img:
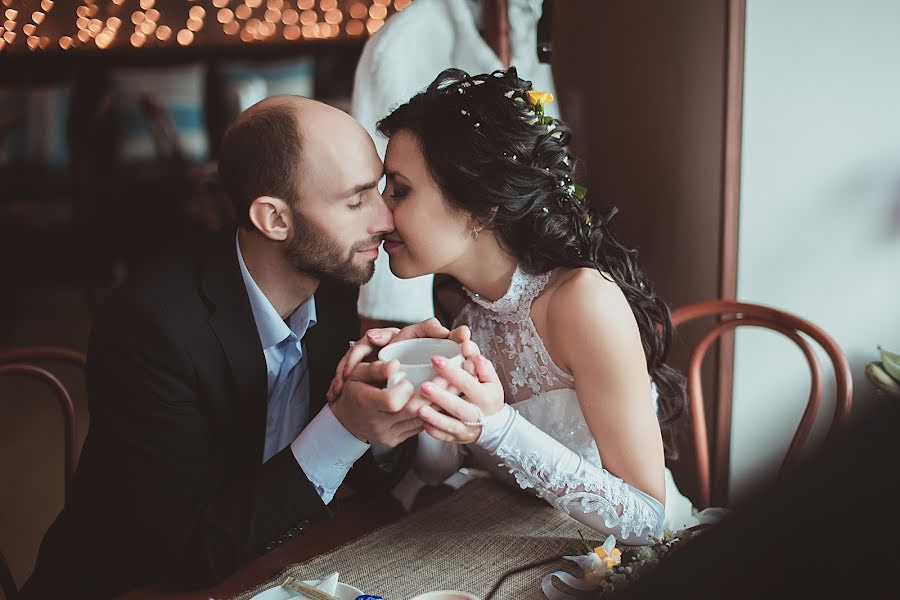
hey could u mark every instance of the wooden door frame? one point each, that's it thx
(731, 190)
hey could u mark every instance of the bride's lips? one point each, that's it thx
(391, 245)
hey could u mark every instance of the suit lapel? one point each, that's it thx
(336, 325)
(231, 319)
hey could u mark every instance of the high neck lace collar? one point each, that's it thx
(523, 289)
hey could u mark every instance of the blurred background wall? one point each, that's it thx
(820, 206)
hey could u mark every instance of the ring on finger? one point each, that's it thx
(479, 422)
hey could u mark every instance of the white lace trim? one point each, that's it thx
(602, 495)
(516, 302)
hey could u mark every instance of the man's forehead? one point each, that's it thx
(350, 180)
(343, 167)
(362, 184)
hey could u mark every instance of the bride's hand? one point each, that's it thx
(478, 381)
(378, 338)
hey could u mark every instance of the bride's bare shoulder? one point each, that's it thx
(583, 285)
(585, 295)
(582, 312)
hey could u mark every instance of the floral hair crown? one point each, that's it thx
(536, 100)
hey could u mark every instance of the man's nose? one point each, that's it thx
(383, 219)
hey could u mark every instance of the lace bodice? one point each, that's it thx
(508, 338)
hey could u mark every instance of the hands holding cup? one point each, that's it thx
(414, 358)
(421, 364)
(449, 417)
(374, 413)
(373, 401)
(379, 338)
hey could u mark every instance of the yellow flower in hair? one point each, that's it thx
(535, 97)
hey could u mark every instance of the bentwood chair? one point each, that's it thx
(24, 362)
(729, 315)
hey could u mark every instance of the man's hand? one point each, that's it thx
(378, 338)
(374, 414)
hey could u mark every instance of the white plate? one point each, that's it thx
(343, 592)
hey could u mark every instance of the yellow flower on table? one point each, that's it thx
(597, 563)
(609, 553)
(535, 97)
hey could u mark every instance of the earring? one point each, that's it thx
(474, 234)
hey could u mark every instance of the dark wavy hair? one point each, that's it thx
(495, 158)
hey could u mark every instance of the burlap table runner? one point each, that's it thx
(466, 542)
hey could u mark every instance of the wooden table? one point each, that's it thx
(484, 537)
(358, 516)
(481, 537)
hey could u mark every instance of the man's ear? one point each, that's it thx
(272, 217)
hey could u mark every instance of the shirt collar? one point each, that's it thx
(272, 328)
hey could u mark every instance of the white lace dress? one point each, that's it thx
(540, 441)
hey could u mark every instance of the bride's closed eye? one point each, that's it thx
(399, 192)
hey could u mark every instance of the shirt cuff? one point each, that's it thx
(382, 454)
(325, 451)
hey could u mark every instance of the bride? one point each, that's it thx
(564, 390)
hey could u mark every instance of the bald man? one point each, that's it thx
(210, 439)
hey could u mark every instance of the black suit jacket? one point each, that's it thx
(170, 484)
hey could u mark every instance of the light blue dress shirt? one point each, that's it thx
(324, 449)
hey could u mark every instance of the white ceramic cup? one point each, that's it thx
(446, 595)
(415, 358)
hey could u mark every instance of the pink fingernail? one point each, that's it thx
(439, 362)
(375, 335)
(427, 389)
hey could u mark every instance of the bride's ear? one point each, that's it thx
(272, 217)
(476, 223)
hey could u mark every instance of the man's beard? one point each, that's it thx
(311, 251)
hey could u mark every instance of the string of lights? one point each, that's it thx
(62, 25)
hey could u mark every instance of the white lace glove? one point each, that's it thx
(591, 495)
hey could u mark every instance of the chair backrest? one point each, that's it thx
(731, 314)
(18, 361)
